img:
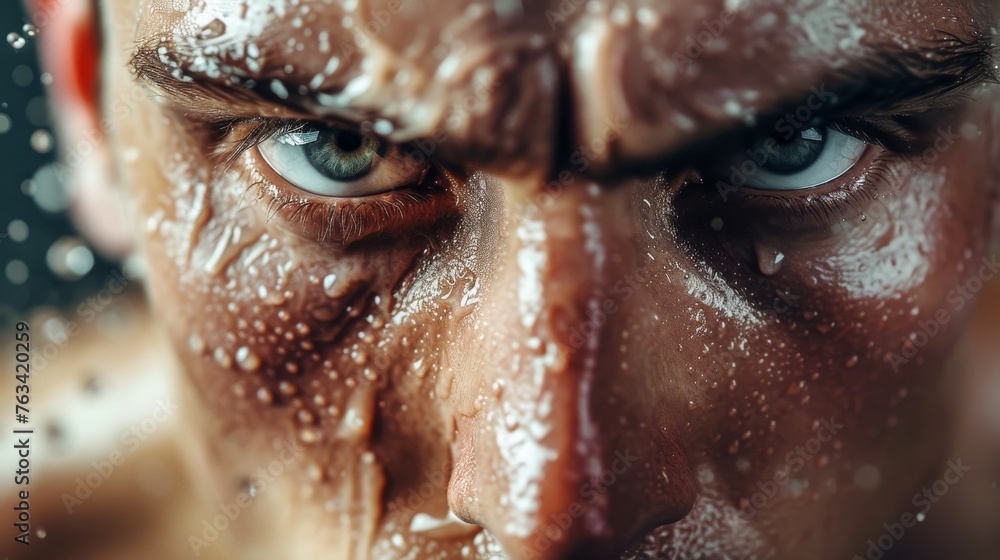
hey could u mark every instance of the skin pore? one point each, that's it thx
(567, 325)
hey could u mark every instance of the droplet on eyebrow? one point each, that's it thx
(212, 29)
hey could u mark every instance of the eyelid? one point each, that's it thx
(407, 210)
(345, 221)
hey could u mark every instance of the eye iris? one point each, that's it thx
(794, 155)
(342, 154)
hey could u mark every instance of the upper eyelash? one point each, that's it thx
(260, 130)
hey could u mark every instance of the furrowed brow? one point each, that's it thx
(888, 84)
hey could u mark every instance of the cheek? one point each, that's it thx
(286, 337)
(278, 332)
(850, 327)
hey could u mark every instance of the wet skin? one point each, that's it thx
(570, 327)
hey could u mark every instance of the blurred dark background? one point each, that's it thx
(43, 261)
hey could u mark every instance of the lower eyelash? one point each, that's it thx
(797, 212)
(347, 221)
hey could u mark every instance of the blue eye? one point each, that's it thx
(338, 161)
(812, 157)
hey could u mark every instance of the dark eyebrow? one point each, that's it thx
(217, 97)
(936, 73)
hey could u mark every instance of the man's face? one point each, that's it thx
(652, 279)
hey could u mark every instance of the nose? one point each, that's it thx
(566, 444)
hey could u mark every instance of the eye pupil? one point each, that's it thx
(792, 155)
(348, 140)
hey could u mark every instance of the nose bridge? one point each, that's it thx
(537, 460)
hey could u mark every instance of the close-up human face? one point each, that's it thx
(553, 280)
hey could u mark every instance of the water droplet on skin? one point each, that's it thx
(41, 532)
(222, 358)
(287, 389)
(851, 362)
(328, 283)
(734, 447)
(717, 224)
(30, 30)
(308, 436)
(769, 259)
(692, 406)
(305, 416)
(360, 358)
(214, 29)
(196, 344)
(315, 472)
(15, 40)
(292, 367)
(265, 395)
(418, 368)
(247, 360)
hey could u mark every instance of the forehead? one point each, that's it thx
(503, 79)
